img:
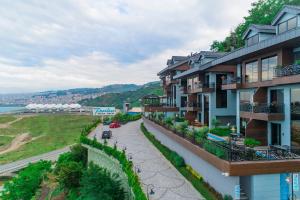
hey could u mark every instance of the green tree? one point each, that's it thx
(26, 183)
(261, 12)
(99, 183)
(69, 174)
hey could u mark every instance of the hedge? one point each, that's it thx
(127, 166)
(207, 191)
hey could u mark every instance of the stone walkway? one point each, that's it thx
(156, 172)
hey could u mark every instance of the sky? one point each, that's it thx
(50, 45)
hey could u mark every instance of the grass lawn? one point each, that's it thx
(6, 118)
(55, 131)
(4, 140)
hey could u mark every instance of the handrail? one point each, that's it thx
(232, 152)
(288, 70)
(262, 107)
(231, 80)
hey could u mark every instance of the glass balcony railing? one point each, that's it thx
(231, 80)
(293, 69)
(262, 107)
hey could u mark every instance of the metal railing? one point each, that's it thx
(262, 107)
(288, 70)
(231, 80)
(232, 152)
(194, 105)
(160, 105)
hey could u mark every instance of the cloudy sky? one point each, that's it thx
(57, 44)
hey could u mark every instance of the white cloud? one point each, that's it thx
(90, 43)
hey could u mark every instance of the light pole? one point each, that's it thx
(150, 190)
(137, 169)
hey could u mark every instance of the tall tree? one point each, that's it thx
(261, 12)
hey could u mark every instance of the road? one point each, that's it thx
(156, 172)
(17, 165)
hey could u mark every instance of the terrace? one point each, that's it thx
(231, 83)
(193, 106)
(262, 111)
(287, 74)
(232, 157)
(155, 103)
(201, 88)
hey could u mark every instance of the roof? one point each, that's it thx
(260, 29)
(268, 43)
(286, 9)
(180, 60)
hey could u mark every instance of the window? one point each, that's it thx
(252, 72)
(287, 25)
(245, 97)
(292, 23)
(253, 40)
(221, 95)
(282, 27)
(267, 66)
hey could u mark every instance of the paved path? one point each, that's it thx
(168, 183)
(17, 165)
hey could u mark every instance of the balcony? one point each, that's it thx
(193, 107)
(231, 83)
(262, 111)
(234, 159)
(183, 89)
(173, 81)
(160, 108)
(287, 75)
(201, 88)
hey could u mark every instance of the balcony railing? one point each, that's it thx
(201, 87)
(160, 105)
(232, 152)
(205, 85)
(289, 70)
(262, 108)
(231, 80)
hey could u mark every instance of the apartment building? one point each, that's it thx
(256, 88)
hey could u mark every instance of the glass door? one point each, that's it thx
(206, 110)
(275, 134)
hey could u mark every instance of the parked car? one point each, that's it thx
(106, 134)
(115, 125)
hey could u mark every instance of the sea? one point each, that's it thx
(10, 109)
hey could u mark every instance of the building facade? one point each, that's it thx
(257, 89)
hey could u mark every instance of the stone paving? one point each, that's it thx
(156, 172)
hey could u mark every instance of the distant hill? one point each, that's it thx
(115, 88)
(117, 99)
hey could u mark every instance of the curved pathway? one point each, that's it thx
(155, 171)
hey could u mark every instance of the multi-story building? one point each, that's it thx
(256, 88)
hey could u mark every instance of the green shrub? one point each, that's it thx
(133, 180)
(216, 150)
(227, 197)
(99, 183)
(177, 160)
(203, 187)
(169, 121)
(221, 131)
(125, 117)
(201, 134)
(251, 142)
(215, 123)
(69, 174)
(179, 119)
(26, 183)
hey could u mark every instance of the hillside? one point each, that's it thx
(117, 99)
(85, 91)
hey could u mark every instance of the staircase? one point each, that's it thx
(243, 195)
